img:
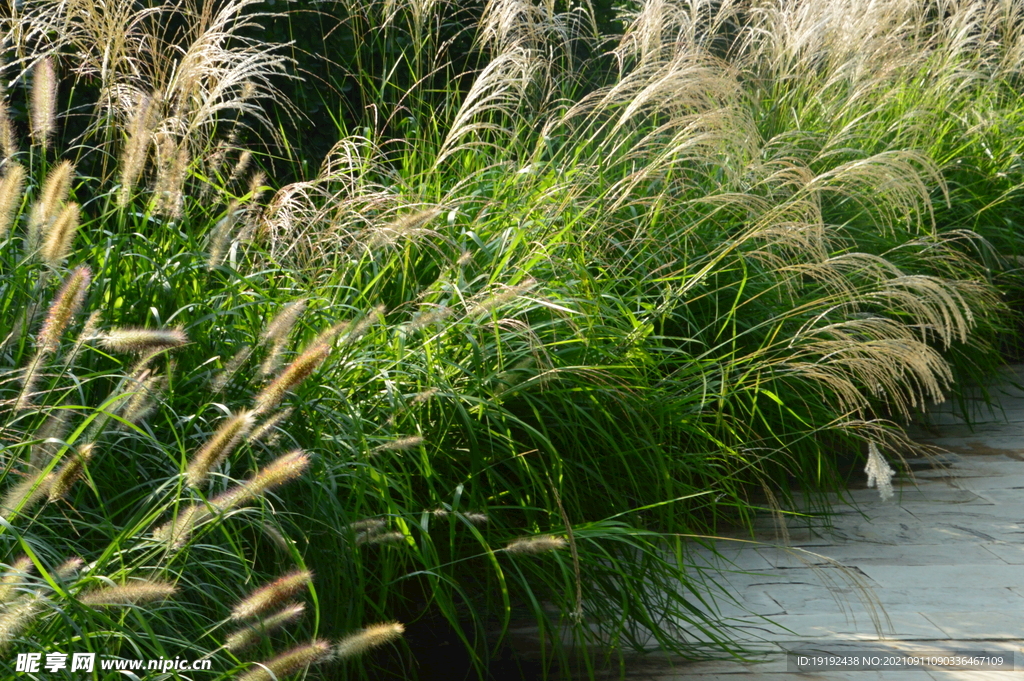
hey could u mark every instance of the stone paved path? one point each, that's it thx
(939, 567)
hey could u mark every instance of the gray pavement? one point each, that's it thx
(938, 568)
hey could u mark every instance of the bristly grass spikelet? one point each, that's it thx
(399, 445)
(267, 428)
(8, 135)
(59, 234)
(70, 472)
(44, 102)
(288, 662)
(18, 615)
(370, 637)
(49, 203)
(541, 544)
(247, 636)
(25, 494)
(218, 447)
(271, 595)
(133, 593)
(11, 188)
(140, 340)
(64, 307)
(296, 372)
(14, 577)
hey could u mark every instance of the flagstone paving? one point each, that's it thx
(940, 567)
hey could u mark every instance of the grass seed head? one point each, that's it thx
(51, 200)
(296, 372)
(288, 662)
(17, 617)
(59, 235)
(536, 544)
(218, 447)
(247, 636)
(67, 303)
(10, 195)
(70, 472)
(140, 340)
(14, 577)
(272, 594)
(44, 102)
(25, 494)
(8, 136)
(136, 149)
(133, 593)
(370, 637)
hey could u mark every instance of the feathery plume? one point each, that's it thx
(69, 473)
(277, 472)
(139, 340)
(10, 195)
(24, 495)
(241, 166)
(67, 303)
(395, 537)
(59, 235)
(51, 199)
(536, 544)
(145, 396)
(219, 446)
(69, 568)
(177, 531)
(247, 636)
(220, 236)
(281, 325)
(400, 445)
(8, 138)
(272, 594)
(370, 637)
(284, 468)
(268, 426)
(44, 102)
(288, 662)
(18, 615)
(132, 593)
(296, 372)
(14, 577)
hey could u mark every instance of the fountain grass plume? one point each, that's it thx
(43, 117)
(271, 595)
(219, 446)
(11, 188)
(370, 637)
(140, 340)
(58, 235)
(132, 593)
(49, 203)
(288, 662)
(247, 636)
